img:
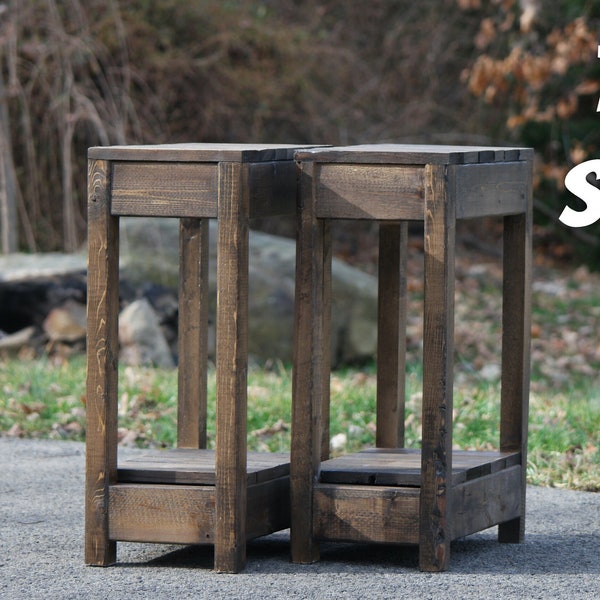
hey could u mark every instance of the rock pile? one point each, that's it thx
(42, 298)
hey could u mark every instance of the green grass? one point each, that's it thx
(43, 399)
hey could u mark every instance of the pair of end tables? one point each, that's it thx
(388, 494)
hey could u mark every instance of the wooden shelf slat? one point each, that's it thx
(187, 466)
(402, 467)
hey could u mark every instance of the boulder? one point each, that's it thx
(150, 252)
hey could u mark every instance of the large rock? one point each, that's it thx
(150, 252)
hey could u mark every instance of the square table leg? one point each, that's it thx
(309, 378)
(391, 335)
(232, 368)
(326, 265)
(516, 332)
(102, 360)
(192, 333)
(438, 348)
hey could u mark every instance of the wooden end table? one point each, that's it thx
(391, 494)
(189, 495)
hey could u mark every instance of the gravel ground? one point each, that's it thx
(41, 550)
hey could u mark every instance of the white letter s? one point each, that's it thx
(576, 183)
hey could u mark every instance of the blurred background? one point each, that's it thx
(78, 73)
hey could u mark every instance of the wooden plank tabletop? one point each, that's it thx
(197, 152)
(413, 154)
(402, 467)
(196, 467)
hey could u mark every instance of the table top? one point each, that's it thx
(197, 152)
(414, 154)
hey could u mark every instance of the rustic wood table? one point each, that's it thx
(188, 495)
(391, 494)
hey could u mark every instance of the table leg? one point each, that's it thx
(232, 367)
(438, 348)
(325, 227)
(308, 372)
(516, 331)
(192, 333)
(102, 362)
(391, 335)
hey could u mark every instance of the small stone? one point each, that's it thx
(490, 372)
(66, 323)
(16, 431)
(338, 442)
(142, 340)
(355, 430)
(15, 341)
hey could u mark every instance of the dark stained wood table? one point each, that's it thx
(390, 494)
(191, 494)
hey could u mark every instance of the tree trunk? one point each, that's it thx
(8, 189)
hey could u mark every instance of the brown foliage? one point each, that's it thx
(149, 71)
(524, 75)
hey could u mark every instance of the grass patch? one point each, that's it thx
(44, 399)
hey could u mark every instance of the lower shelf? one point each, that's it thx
(374, 496)
(197, 467)
(170, 497)
(402, 466)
